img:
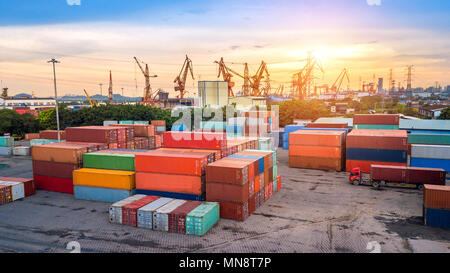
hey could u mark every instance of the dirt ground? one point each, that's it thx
(316, 211)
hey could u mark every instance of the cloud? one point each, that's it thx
(234, 47)
(373, 2)
(73, 2)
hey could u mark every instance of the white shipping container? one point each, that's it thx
(161, 215)
(17, 189)
(110, 122)
(115, 210)
(6, 150)
(424, 124)
(145, 214)
(21, 150)
(430, 151)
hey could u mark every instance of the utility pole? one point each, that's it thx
(122, 96)
(101, 89)
(409, 78)
(391, 81)
(53, 61)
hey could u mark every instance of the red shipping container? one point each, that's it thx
(158, 143)
(378, 139)
(177, 218)
(251, 205)
(97, 134)
(278, 183)
(234, 211)
(365, 165)
(54, 184)
(228, 171)
(158, 123)
(266, 193)
(54, 169)
(30, 187)
(227, 192)
(436, 197)
(5, 194)
(52, 134)
(171, 162)
(257, 200)
(418, 175)
(377, 119)
(129, 212)
(199, 140)
(388, 173)
(270, 189)
(327, 125)
(253, 167)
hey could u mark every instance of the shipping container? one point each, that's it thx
(17, 189)
(228, 171)
(174, 195)
(234, 211)
(436, 197)
(21, 151)
(129, 211)
(202, 218)
(55, 184)
(54, 169)
(200, 140)
(256, 161)
(419, 175)
(430, 151)
(32, 136)
(437, 218)
(425, 124)
(123, 180)
(115, 210)
(110, 122)
(6, 151)
(5, 195)
(107, 195)
(376, 126)
(98, 134)
(412, 175)
(269, 156)
(145, 213)
(29, 185)
(158, 123)
(110, 161)
(435, 139)
(211, 154)
(171, 162)
(52, 134)
(378, 139)
(327, 125)
(229, 192)
(396, 156)
(391, 119)
(431, 163)
(177, 217)
(316, 151)
(292, 128)
(365, 165)
(6, 141)
(170, 183)
(57, 152)
(278, 183)
(317, 138)
(161, 215)
(318, 163)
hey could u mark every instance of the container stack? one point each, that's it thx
(196, 140)
(105, 177)
(174, 174)
(32, 136)
(377, 147)
(436, 206)
(52, 134)
(12, 189)
(54, 163)
(328, 125)
(315, 149)
(39, 141)
(165, 214)
(376, 122)
(287, 130)
(6, 145)
(21, 151)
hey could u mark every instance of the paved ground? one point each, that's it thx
(316, 211)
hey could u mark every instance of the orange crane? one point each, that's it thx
(301, 80)
(338, 83)
(226, 75)
(256, 81)
(180, 80)
(148, 97)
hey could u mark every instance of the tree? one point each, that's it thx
(17, 124)
(445, 114)
(301, 109)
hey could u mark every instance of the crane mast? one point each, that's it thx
(180, 80)
(147, 98)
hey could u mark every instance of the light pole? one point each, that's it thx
(53, 61)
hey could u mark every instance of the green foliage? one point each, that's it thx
(445, 114)
(301, 109)
(17, 124)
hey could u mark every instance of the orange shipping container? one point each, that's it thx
(320, 163)
(315, 151)
(436, 197)
(228, 171)
(57, 152)
(171, 163)
(317, 138)
(170, 183)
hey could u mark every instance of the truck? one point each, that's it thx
(381, 175)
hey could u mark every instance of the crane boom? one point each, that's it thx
(92, 103)
(180, 80)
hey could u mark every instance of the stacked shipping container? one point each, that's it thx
(378, 147)
(436, 206)
(12, 189)
(6, 145)
(376, 121)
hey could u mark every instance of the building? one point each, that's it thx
(29, 102)
(432, 111)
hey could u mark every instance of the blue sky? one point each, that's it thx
(100, 35)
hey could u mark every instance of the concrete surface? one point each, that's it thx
(316, 211)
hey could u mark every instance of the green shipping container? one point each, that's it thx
(126, 122)
(203, 218)
(377, 126)
(429, 139)
(139, 122)
(6, 141)
(109, 161)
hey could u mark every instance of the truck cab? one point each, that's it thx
(355, 176)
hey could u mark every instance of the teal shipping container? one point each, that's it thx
(6, 141)
(126, 122)
(425, 124)
(434, 139)
(377, 126)
(101, 194)
(275, 172)
(202, 218)
(141, 122)
(275, 186)
(35, 142)
(109, 161)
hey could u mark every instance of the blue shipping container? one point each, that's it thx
(293, 128)
(176, 195)
(377, 155)
(101, 194)
(431, 132)
(436, 217)
(261, 160)
(431, 163)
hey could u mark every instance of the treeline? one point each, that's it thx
(17, 124)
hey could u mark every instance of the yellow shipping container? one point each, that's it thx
(112, 179)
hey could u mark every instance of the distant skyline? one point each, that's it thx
(97, 36)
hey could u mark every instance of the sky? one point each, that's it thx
(92, 37)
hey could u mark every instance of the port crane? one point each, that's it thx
(93, 103)
(148, 97)
(255, 82)
(180, 80)
(225, 71)
(338, 83)
(301, 80)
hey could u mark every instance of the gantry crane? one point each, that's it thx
(180, 80)
(91, 102)
(301, 80)
(147, 98)
(337, 84)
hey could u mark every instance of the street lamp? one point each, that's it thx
(53, 61)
